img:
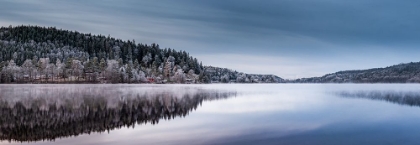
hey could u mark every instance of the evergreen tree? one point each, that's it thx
(61, 54)
(102, 65)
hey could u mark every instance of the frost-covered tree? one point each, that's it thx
(42, 68)
(77, 68)
(179, 76)
(112, 71)
(29, 69)
(51, 71)
(124, 77)
(102, 66)
(136, 64)
(147, 59)
(129, 72)
(240, 78)
(32, 42)
(12, 72)
(60, 68)
(225, 78)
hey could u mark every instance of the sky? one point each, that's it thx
(288, 38)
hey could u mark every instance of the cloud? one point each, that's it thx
(300, 31)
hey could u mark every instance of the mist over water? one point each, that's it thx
(210, 114)
(402, 98)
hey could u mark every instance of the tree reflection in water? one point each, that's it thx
(33, 113)
(402, 98)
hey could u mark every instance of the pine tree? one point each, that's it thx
(68, 72)
(129, 72)
(136, 65)
(102, 66)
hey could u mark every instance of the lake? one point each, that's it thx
(216, 114)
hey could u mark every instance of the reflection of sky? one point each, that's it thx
(282, 114)
(290, 38)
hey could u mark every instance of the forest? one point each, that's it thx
(34, 54)
(401, 73)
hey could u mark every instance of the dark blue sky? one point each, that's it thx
(289, 38)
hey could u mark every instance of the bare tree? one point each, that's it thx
(77, 68)
(28, 69)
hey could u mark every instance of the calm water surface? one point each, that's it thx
(210, 114)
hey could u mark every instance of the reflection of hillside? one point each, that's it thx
(54, 114)
(403, 98)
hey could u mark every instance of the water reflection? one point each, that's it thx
(34, 113)
(402, 98)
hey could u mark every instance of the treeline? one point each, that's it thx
(401, 73)
(225, 75)
(33, 54)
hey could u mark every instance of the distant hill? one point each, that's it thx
(33, 54)
(401, 73)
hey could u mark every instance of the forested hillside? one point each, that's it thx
(225, 75)
(33, 54)
(401, 73)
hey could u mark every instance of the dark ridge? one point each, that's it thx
(401, 73)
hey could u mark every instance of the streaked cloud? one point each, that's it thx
(318, 35)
